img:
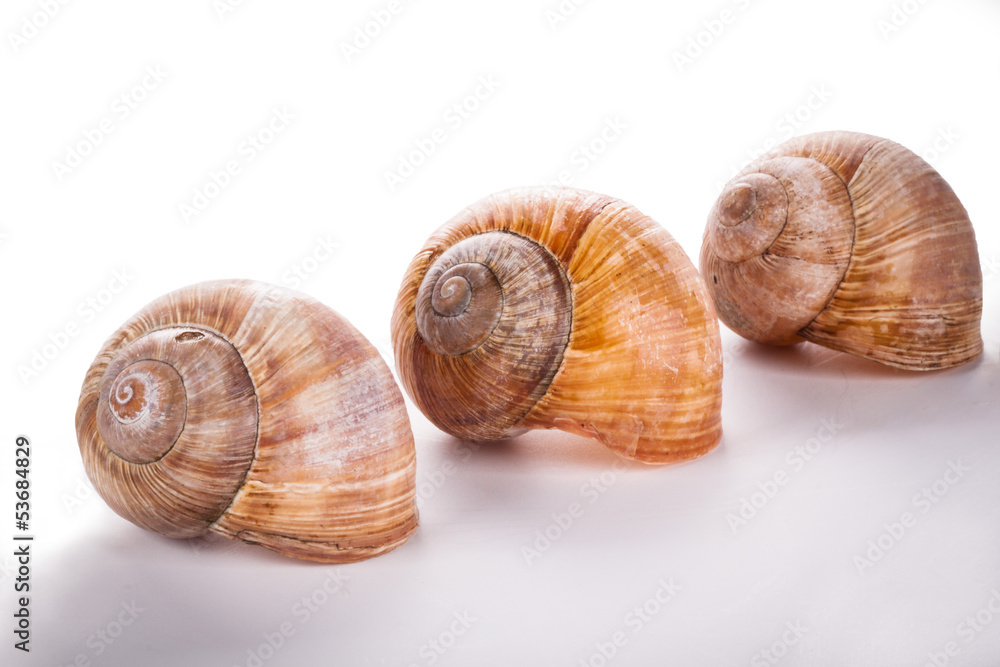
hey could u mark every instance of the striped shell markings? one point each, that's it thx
(254, 412)
(852, 242)
(538, 309)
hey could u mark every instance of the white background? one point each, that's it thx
(931, 85)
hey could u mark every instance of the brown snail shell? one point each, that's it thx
(537, 308)
(254, 412)
(852, 242)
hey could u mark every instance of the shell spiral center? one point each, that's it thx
(146, 410)
(748, 217)
(459, 305)
(453, 295)
(130, 393)
(494, 314)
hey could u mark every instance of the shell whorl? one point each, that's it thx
(162, 397)
(871, 253)
(586, 317)
(448, 319)
(143, 411)
(253, 412)
(776, 247)
(495, 286)
(494, 305)
(749, 216)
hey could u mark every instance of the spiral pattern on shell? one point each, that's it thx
(561, 309)
(158, 403)
(852, 242)
(512, 295)
(253, 412)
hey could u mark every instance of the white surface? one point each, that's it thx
(212, 602)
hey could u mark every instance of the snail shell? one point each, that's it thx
(537, 308)
(254, 412)
(852, 242)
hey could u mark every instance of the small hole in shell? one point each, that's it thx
(189, 337)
